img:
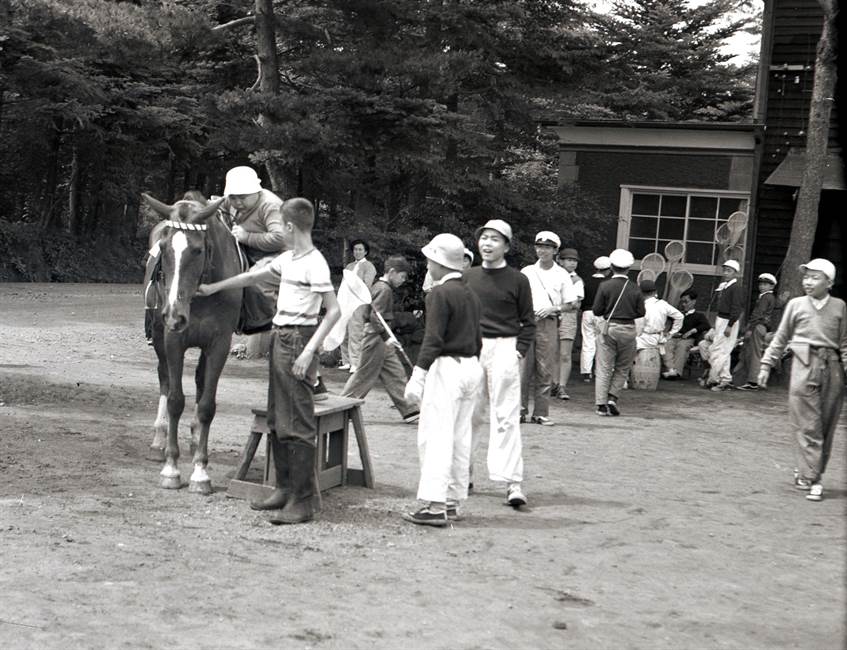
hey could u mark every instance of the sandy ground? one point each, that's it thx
(673, 526)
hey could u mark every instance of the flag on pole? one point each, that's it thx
(352, 294)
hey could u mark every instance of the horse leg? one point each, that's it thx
(199, 378)
(176, 403)
(215, 357)
(160, 425)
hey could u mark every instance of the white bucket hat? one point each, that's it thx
(447, 250)
(242, 180)
(498, 225)
(819, 264)
(621, 258)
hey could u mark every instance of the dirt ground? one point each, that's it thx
(673, 526)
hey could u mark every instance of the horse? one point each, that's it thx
(194, 246)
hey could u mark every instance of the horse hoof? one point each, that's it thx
(200, 487)
(171, 482)
(156, 454)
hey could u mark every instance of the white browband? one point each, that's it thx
(181, 225)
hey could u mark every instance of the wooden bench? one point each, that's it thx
(334, 417)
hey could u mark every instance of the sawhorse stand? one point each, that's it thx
(334, 417)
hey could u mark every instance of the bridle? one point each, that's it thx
(205, 275)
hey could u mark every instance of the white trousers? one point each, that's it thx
(589, 342)
(720, 351)
(444, 429)
(500, 396)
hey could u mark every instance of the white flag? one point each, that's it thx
(352, 294)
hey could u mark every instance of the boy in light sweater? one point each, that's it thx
(814, 326)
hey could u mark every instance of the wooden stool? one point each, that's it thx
(334, 415)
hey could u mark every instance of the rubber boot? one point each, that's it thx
(299, 507)
(279, 497)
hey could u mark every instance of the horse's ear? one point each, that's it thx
(163, 209)
(206, 212)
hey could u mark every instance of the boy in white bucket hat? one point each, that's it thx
(445, 382)
(507, 322)
(814, 326)
(727, 324)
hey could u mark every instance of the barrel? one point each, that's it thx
(646, 369)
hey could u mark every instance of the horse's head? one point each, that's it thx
(185, 255)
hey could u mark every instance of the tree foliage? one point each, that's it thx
(399, 119)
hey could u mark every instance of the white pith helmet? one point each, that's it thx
(447, 250)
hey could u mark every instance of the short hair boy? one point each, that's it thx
(379, 359)
(730, 308)
(445, 382)
(568, 323)
(694, 327)
(652, 329)
(588, 326)
(814, 326)
(295, 342)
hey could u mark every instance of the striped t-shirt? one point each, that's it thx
(302, 280)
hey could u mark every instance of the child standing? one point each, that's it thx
(445, 382)
(814, 326)
(730, 306)
(619, 302)
(379, 360)
(507, 322)
(568, 322)
(757, 329)
(588, 327)
(296, 338)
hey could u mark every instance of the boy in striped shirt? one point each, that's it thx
(303, 277)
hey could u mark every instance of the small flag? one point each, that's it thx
(352, 294)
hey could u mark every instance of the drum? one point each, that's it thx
(646, 369)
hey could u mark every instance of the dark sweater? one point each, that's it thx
(591, 285)
(382, 300)
(763, 312)
(630, 307)
(452, 323)
(506, 301)
(696, 320)
(731, 303)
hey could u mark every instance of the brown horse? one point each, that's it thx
(194, 246)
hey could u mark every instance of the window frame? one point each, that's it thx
(625, 218)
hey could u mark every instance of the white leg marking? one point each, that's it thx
(199, 474)
(170, 470)
(162, 412)
(179, 242)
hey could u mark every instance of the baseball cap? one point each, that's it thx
(733, 265)
(497, 225)
(569, 254)
(819, 264)
(621, 258)
(767, 277)
(549, 238)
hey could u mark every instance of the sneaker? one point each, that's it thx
(554, 390)
(344, 366)
(319, 393)
(563, 394)
(749, 386)
(543, 420)
(515, 496)
(613, 408)
(352, 369)
(149, 341)
(670, 374)
(412, 417)
(453, 513)
(815, 492)
(722, 387)
(602, 409)
(426, 517)
(802, 483)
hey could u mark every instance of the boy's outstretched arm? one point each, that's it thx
(330, 304)
(246, 279)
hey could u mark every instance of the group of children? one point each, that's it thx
(487, 323)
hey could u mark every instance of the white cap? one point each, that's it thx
(621, 258)
(498, 225)
(547, 237)
(602, 263)
(733, 265)
(819, 264)
(767, 277)
(447, 250)
(242, 180)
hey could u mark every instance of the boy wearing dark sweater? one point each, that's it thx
(756, 332)
(814, 326)
(730, 308)
(507, 322)
(445, 382)
(618, 303)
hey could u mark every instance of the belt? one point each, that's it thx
(622, 321)
(293, 327)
